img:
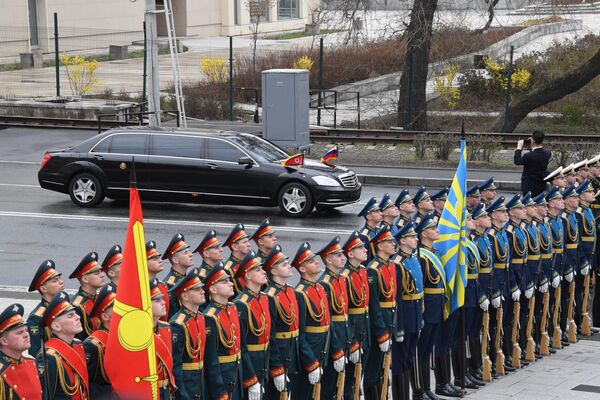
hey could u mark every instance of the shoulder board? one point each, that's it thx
(28, 357)
(373, 265)
(77, 300)
(346, 273)
(364, 231)
(300, 288)
(76, 341)
(170, 280)
(39, 312)
(211, 311)
(579, 209)
(564, 216)
(271, 291)
(244, 298)
(228, 264)
(180, 320)
(510, 228)
(492, 232)
(163, 324)
(229, 303)
(326, 278)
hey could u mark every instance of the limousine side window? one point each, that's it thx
(221, 150)
(128, 144)
(176, 146)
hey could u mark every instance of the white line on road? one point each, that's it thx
(21, 185)
(151, 221)
(19, 162)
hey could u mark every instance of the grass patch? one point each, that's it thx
(296, 35)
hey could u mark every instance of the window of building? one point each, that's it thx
(288, 9)
(33, 26)
(258, 9)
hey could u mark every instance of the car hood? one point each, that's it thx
(315, 165)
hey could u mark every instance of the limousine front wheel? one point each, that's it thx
(86, 190)
(295, 200)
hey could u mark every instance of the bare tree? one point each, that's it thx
(490, 9)
(258, 10)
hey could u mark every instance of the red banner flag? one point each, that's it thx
(296, 160)
(130, 359)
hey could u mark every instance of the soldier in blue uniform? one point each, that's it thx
(389, 212)
(91, 278)
(358, 312)
(112, 264)
(188, 332)
(265, 238)
(336, 288)
(238, 242)
(556, 178)
(373, 217)
(434, 313)
(487, 191)
(587, 243)
(423, 203)
(594, 167)
(211, 252)
(409, 300)
(48, 282)
(570, 255)
(181, 258)
(406, 206)
(381, 274)
(473, 197)
(439, 200)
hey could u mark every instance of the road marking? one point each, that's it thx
(21, 185)
(19, 162)
(153, 221)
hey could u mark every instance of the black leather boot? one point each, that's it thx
(458, 373)
(442, 378)
(424, 372)
(372, 393)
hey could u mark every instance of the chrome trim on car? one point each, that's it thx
(191, 193)
(349, 179)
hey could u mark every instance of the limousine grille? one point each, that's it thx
(349, 179)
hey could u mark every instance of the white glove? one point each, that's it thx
(569, 277)
(529, 293)
(279, 382)
(556, 281)
(585, 270)
(254, 392)
(484, 305)
(355, 356)
(496, 302)
(399, 338)
(385, 346)
(544, 288)
(516, 295)
(338, 364)
(313, 377)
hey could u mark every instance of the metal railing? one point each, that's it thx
(139, 114)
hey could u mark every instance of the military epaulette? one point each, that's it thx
(229, 303)
(300, 288)
(171, 280)
(271, 291)
(373, 265)
(28, 357)
(244, 298)
(163, 324)
(346, 273)
(180, 320)
(579, 210)
(364, 231)
(228, 264)
(510, 228)
(76, 341)
(77, 300)
(40, 311)
(326, 278)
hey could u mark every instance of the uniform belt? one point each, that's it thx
(417, 296)
(229, 359)
(195, 366)
(359, 310)
(485, 270)
(387, 304)
(533, 257)
(588, 238)
(546, 256)
(571, 245)
(429, 290)
(500, 265)
(316, 329)
(595, 205)
(517, 261)
(257, 347)
(557, 251)
(339, 318)
(472, 276)
(286, 335)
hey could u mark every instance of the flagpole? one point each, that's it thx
(462, 310)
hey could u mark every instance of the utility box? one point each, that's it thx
(285, 101)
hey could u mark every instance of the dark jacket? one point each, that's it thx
(535, 164)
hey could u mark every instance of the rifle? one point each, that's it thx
(316, 394)
(487, 364)
(570, 310)
(498, 343)
(530, 347)
(585, 317)
(358, 368)
(516, 355)
(557, 334)
(544, 337)
(285, 393)
(387, 359)
(47, 395)
(340, 385)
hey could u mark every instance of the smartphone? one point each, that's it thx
(527, 142)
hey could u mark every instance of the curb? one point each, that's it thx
(505, 186)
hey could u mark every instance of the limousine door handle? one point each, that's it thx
(211, 166)
(98, 157)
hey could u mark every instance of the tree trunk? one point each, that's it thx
(491, 6)
(418, 36)
(549, 92)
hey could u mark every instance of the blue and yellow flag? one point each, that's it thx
(452, 244)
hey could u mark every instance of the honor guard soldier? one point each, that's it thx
(389, 212)
(594, 169)
(473, 197)
(381, 275)
(355, 251)
(569, 174)
(91, 278)
(286, 322)
(265, 239)
(211, 252)
(181, 258)
(406, 206)
(570, 260)
(556, 178)
(423, 203)
(439, 199)
(18, 372)
(189, 338)
(258, 334)
(222, 354)
(487, 191)
(373, 217)
(95, 344)
(316, 340)
(63, 371)
(409, 298)
(581, 171)
(238, 242)
(517, 239)
(112, 264)
(531, 269)
(163, 343)
(155, 266)
(487, 290)
(434, 314)
(48, 282)
(587, 243)
(336, 288)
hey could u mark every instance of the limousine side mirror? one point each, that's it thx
(247, 161)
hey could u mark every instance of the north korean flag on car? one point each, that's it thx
(296, 160)
(330, 157)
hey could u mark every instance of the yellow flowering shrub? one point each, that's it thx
(81, 73)
(215, 69)
(303, 62)
(499, 74)
(443, 86)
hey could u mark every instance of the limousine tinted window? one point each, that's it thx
(128, 144)
(176, 146)
(222, 151)
(103, 146)
(259, 147)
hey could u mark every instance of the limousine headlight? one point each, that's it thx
(323, 180)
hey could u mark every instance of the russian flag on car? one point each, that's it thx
(330, 157)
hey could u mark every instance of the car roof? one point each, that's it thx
(179, 131)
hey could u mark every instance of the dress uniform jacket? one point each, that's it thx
(170, 280)
(501, 258)
(369, 233)
(83, 303)
(231, 267)
(37, 333)
(474, 294)
(286, 323)
(222, 354)
(558, 244)
(533, 262)
(402, 220)
(488, 287)
(95, 347)
(64, 370)
(571, 241)
(381, 275)
(517, 241)
(587, 234)
(546, 251)
(19, 378)
(336, 288)
(188, 332)
(163, 344)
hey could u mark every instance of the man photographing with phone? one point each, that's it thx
(534, 162)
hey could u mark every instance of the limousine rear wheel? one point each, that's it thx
(85, 190)
(295, 200)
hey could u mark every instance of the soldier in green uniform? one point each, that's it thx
(18, 372)
(112, 264)
(95, 344)
(188, 332)
(48, 282)
(238, 242)
(211, 252)
(155, 266)
(181, 258)
(406, 206)
(265, 239)
(423, 203)
(91, 278)
(163, 343)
